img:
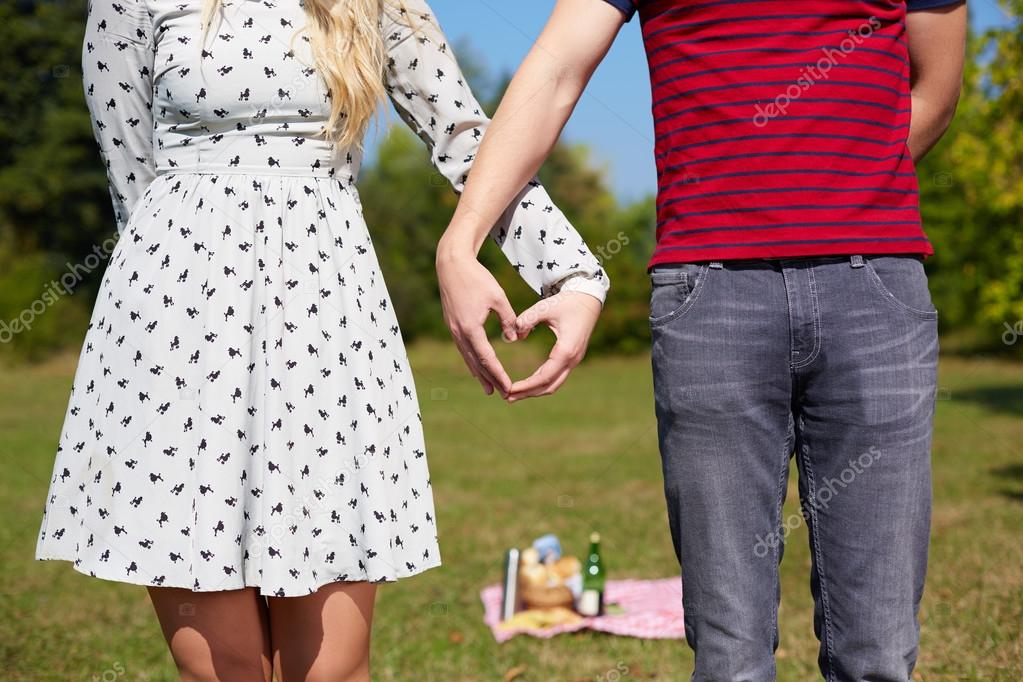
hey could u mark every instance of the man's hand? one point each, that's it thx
(469, 293)
(571, 315)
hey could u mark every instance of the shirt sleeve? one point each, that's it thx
(914, 5)
(627, 7)
(117, 72)
(432, 97)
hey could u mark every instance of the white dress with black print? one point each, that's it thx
(243, 412)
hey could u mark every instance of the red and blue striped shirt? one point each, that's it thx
(781, 127)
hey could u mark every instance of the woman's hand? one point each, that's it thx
(469, 293)
(571, 315)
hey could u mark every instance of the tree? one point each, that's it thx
(972, 191)
(53, 189)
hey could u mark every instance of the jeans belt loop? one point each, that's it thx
(856, 261)
(717, 265)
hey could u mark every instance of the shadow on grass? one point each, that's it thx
(999, 399)
(1014, 495)
(1012, 474)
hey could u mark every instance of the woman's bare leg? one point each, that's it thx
(215, 636)
(324, 636)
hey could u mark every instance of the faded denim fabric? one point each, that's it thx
(831, 361)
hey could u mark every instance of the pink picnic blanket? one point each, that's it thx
(650, 609)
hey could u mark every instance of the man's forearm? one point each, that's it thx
(930, 121)
(521, 135)
(529, 121)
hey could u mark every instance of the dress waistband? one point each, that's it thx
(255, 154)
(344, 174)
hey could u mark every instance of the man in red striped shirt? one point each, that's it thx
(790, 313)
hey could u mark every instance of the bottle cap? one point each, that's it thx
(594, 537)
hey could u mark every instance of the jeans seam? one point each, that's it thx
(818, 558)
(779, 510)
(815, 351)
(788, 303)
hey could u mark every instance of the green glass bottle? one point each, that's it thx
(591, 601)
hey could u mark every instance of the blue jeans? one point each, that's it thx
(831, 361)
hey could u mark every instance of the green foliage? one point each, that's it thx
(38, 313)
(623, 324)
(407, 205)
(53, 189)
(972, 191)
(54, 203)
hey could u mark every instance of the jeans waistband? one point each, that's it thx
(856, 261)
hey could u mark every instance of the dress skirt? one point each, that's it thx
(243, 413)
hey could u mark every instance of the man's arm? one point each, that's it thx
(525, 128)
(432, 96)
(937, 46)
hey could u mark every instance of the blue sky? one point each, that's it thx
(613, 117)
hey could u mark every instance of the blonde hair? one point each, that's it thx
(349, 53)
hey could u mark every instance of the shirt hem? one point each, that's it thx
(739, 252)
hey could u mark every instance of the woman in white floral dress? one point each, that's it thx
(243, 435)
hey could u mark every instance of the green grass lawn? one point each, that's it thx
(584, 459)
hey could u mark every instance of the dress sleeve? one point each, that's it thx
(117, 72)
(432, 97)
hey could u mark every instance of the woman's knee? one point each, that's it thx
(200, 660)
(338, 671)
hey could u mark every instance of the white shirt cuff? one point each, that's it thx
(597, 288)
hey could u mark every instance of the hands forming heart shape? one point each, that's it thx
(470, 293)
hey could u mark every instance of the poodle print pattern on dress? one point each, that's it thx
(243, 413)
